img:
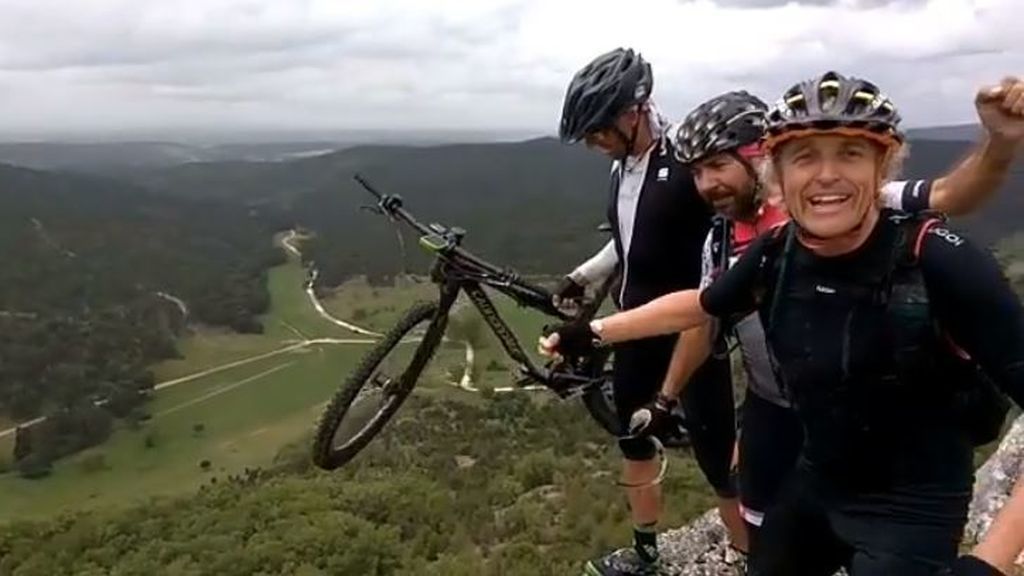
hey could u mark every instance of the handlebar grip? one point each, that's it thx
(366, 185)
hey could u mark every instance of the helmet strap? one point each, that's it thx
(745, 162)
(630, 139)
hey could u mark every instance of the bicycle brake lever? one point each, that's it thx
(390, 203)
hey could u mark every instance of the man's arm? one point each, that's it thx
(972, 183)
(599, 267)
(692, 349)
(693, 346)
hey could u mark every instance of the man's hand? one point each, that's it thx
(568, 294)
(654, 419)
(1001, 110)
(571, 340)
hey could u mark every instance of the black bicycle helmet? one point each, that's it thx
(602, 90)
(834, 103)
(724, 123)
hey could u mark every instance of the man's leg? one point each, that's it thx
(769, 446)
(919, 538)
(797, 538)
(644, 500)
(711, 421)
(639, 369)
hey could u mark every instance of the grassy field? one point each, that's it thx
(234, 418)
(380, 308)
(292, 318)
(240, 417)
(377, 307)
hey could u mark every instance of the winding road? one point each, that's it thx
(465, 383)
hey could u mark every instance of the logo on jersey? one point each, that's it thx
(947, 235)
(824, 289)
(663, 174)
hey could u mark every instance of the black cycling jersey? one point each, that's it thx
(829, 353)
(666, 233)
(885, 474)
(659, 223)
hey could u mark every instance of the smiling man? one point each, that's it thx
(859, 305)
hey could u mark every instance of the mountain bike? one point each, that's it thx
(375, 390)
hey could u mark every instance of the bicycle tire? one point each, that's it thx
(602, 408)
(325, 455)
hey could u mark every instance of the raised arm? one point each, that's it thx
(973, 182)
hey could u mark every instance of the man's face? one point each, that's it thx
(726, 184)
(610, 142)
(829, 182)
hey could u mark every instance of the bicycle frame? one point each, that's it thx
(456, 270)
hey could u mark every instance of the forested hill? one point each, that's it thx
(91, 271)
(533, 205)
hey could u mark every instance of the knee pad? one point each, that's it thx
(640, 449)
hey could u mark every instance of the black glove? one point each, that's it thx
(973, 566)
(568, 290)
(575, 339)
(655, 418)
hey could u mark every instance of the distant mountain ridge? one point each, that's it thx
(532, 204)
(164, 152)
(100, 157)
(959, 132)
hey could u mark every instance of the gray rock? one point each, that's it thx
(994, 481)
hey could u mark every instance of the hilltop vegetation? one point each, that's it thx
(510, 487)
(99, 281)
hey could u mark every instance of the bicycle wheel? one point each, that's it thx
(600, 403)
(376, 389)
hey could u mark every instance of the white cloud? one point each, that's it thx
(80, 65)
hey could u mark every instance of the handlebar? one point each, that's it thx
(392, 206)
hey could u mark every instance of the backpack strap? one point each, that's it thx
(922, 230)
(786, 234)
(783, 238)
(914, 259)
(721, 244)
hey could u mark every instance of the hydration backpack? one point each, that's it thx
(921, 348)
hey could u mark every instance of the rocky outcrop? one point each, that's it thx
(995, 481)
(701, 548)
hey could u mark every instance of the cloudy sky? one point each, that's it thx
(84, 66)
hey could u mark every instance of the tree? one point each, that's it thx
(22, 443)
(36, 465)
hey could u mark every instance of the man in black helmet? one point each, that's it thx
(861, 307)
(659, 224)
(721, 141)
